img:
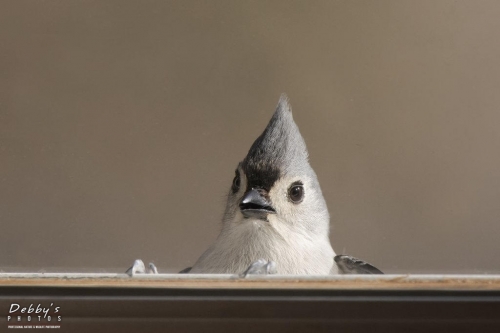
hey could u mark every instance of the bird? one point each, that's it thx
(276, 220)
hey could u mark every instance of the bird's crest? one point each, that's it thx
(279, 149)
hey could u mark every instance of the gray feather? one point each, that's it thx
(280, 149)
(352, 265)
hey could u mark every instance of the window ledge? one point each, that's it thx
(204, 281)
(225, 303)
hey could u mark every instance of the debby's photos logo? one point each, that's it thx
(34, 316)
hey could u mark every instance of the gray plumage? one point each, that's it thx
(261, 221)
(351, 265)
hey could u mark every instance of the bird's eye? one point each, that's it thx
(236, 182)
(296, 192)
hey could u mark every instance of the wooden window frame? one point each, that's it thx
(182, 303)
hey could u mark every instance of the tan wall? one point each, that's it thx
(121, 123)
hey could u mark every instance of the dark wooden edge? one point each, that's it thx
(126, 309)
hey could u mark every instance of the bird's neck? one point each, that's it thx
(294, 252)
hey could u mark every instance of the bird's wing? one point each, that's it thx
(185, 270)
(351, 265)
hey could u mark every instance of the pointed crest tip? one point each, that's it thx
(284, 103)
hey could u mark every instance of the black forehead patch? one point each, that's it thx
(260, 174)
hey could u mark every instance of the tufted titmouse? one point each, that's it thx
(276, 219)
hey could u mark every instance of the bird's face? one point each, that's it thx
(286, 199)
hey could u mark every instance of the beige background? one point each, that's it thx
(121, 123)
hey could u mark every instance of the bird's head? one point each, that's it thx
(275, 184)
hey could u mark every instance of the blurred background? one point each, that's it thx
(121, 123)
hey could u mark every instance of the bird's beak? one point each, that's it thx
(254, 204)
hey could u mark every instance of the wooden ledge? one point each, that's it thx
(210, 281)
